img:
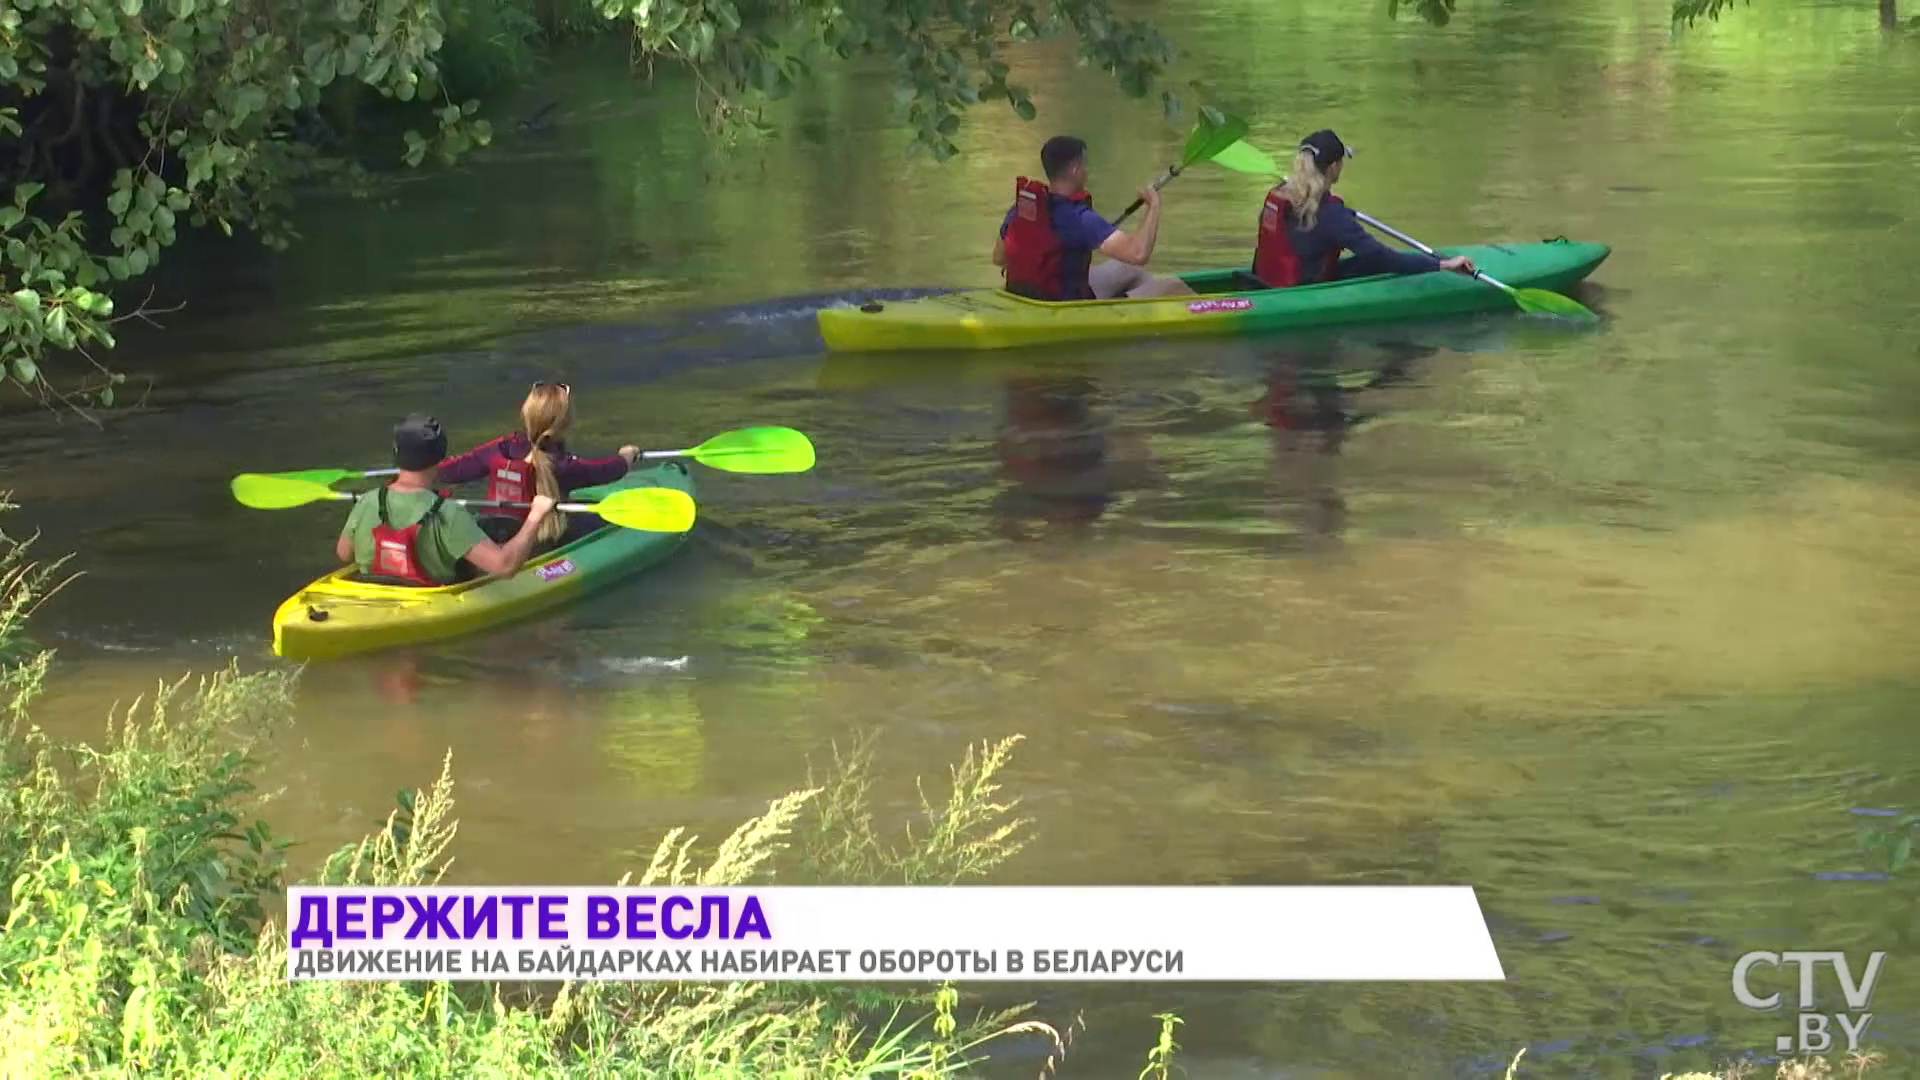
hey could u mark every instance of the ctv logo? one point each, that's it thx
(1813, 1035)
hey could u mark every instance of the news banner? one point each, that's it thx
(825, 934)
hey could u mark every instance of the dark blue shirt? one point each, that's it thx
(1338, 230)
(1077, 226)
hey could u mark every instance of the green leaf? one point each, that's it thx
(106, 402)
(129, 8)
(25, 193)
(27, 300)
(25, 370)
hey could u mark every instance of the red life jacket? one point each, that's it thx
(1039, 266)
(395, 551)
(1275, 262)
(513, 482)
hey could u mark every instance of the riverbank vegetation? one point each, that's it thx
(143, 930)
(1687, 12)
(123, 122)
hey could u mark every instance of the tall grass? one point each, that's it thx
(142, 930)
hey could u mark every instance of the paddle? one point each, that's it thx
(757, 450)
(1215, 132)
(650, 509)
(1532, 301)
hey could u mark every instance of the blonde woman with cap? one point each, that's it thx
(1304, 227)
(535, 461)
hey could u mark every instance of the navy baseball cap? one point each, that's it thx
(1326, 147)
(418, 443)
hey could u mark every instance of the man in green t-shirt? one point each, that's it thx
(407, 532)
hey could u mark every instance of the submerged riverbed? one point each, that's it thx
(1614, 624)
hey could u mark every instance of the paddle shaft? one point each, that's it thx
(567, 507)
(1411, 242)
(650, 455)
(1138, 203)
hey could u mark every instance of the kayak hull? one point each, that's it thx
(997, 319)
(336, 616)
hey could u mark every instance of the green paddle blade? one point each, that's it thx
(1547, 302)
(757, 450)
(281, 491)
(655, 509)
(1215, 132)
(1244, 157)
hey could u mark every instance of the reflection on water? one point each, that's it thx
(1614, 623)
(1064, 464)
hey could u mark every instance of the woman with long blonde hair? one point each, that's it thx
(535, 461)
(1304, 227)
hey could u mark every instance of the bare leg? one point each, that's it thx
(1161, 286)
(1113, 278)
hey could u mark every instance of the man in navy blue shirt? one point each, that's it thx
(1056, 264)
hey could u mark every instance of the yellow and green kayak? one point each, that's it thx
(997, 319)
(338, 616)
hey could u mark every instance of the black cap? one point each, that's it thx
(1060, 152)
(418, 443)
(1326, 148)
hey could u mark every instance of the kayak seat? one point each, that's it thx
(498, 527)
(466, 572)
(1245, 282)
(501, 529)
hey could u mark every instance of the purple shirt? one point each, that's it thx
(573, 473)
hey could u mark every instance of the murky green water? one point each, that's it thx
(1614, 625)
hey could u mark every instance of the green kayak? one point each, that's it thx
(338, 615)
(997, 319)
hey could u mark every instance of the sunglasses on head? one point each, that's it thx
(564, 388)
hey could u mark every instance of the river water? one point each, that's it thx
(1615, 624)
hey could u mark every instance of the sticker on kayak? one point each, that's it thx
(1205, 307)
(555, 570)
